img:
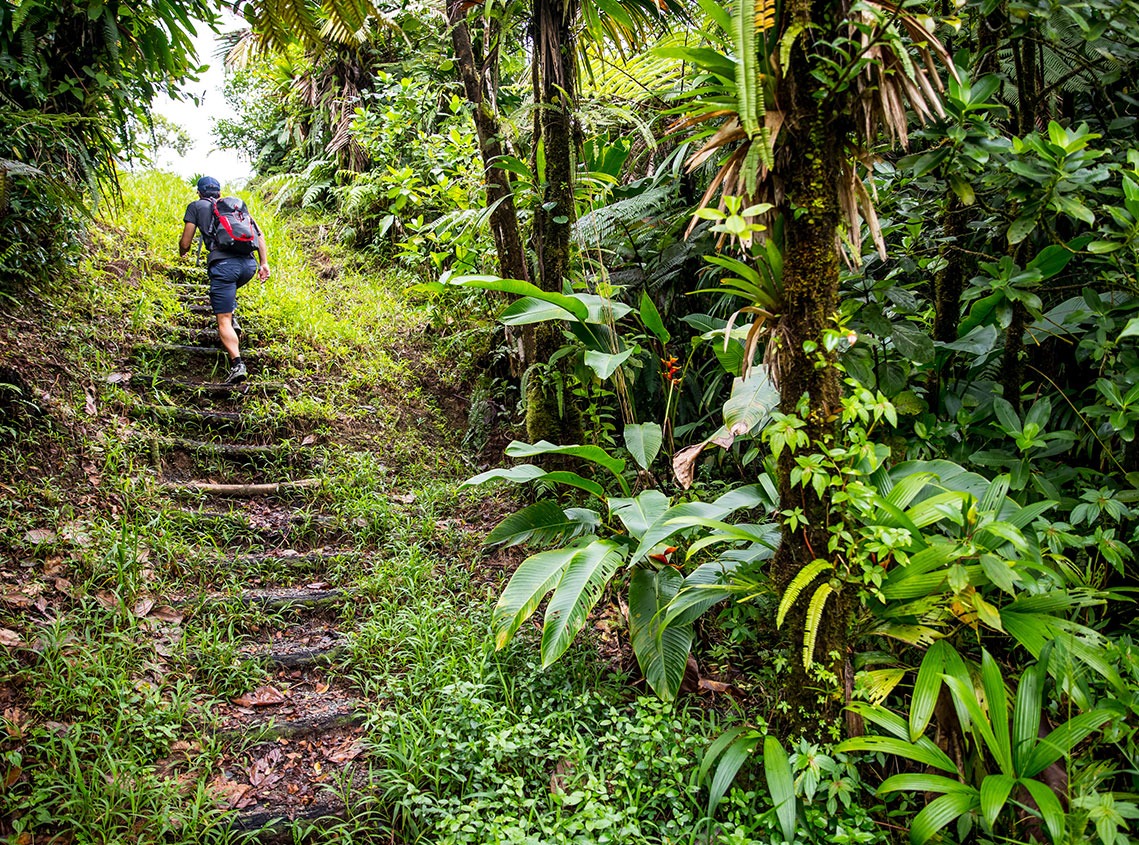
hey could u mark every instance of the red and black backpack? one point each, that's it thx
(233, 229)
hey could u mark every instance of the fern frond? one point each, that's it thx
(596, 227)
(799, 583)
(814, 619)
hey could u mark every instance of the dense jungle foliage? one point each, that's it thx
(816, 325)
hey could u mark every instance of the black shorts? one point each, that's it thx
(226, 276)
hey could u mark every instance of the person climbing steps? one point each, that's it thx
(232, 236)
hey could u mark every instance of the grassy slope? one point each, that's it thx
(103, 709)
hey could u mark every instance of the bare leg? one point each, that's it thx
(228, 335)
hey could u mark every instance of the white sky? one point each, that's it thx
(204, 157)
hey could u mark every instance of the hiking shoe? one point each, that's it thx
(237, 373)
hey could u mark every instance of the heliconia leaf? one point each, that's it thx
(516, 286)
(995, 790)
(781, 785)
(650, 316)
(661, 650)
(605, 364)
(643, 442)
(535, 577)
(927, 686)
(572, 479)
(528, 310)
(641, 512)
(1049, 805)
(594, 454)
(581, 585)
(517, 475)
(541, 522)
(938, 813)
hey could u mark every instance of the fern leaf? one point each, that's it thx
(814, 619)
(799, 583)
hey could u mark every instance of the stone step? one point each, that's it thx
(183, 350)
(235, 530)
(253, 490)
(206, 420)
(277, 599)
(207, 389)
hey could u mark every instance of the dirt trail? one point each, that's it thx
(290, 739)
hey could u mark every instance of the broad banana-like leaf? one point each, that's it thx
(529, 310)
(643, 442)
(535, 577)
(639, 513)
(541, 522)
(516, 475)
(516, 286)
(605, 364)
(582, 582)
(594, 454)
(662, 651)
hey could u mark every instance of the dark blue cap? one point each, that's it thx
(208, 185)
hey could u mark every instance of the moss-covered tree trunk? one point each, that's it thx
(548, 416)
(814, 138)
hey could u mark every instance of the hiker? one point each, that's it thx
(228, 269)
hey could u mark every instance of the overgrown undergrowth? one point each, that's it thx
(112, 665)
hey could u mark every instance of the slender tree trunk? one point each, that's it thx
(810, 290)
(499, 192)
(548, 415)
(947, 287)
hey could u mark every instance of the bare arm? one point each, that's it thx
(187, 240)
(262, 257)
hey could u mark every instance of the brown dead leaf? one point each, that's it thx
(13, 722)
(308, 440)
(12, 776)
(40, 535)
(89, 405)
(106, 599)
(167, 614)
(10, 638)
(714, 686)
(406, 498)
(562, 774)
(54, 567)
(264, 696)
(15, 598)
(348, 752)
(63, 585)
(118, 378)
(143, 606)
(228, 792)
(317, 585)
(321, 688)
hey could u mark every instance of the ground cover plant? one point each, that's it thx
(800, 344)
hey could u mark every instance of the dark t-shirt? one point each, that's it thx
(201, 213)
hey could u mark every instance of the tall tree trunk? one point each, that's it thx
(499, 193)
(548, 415)
(947, 287)
(810, 290)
